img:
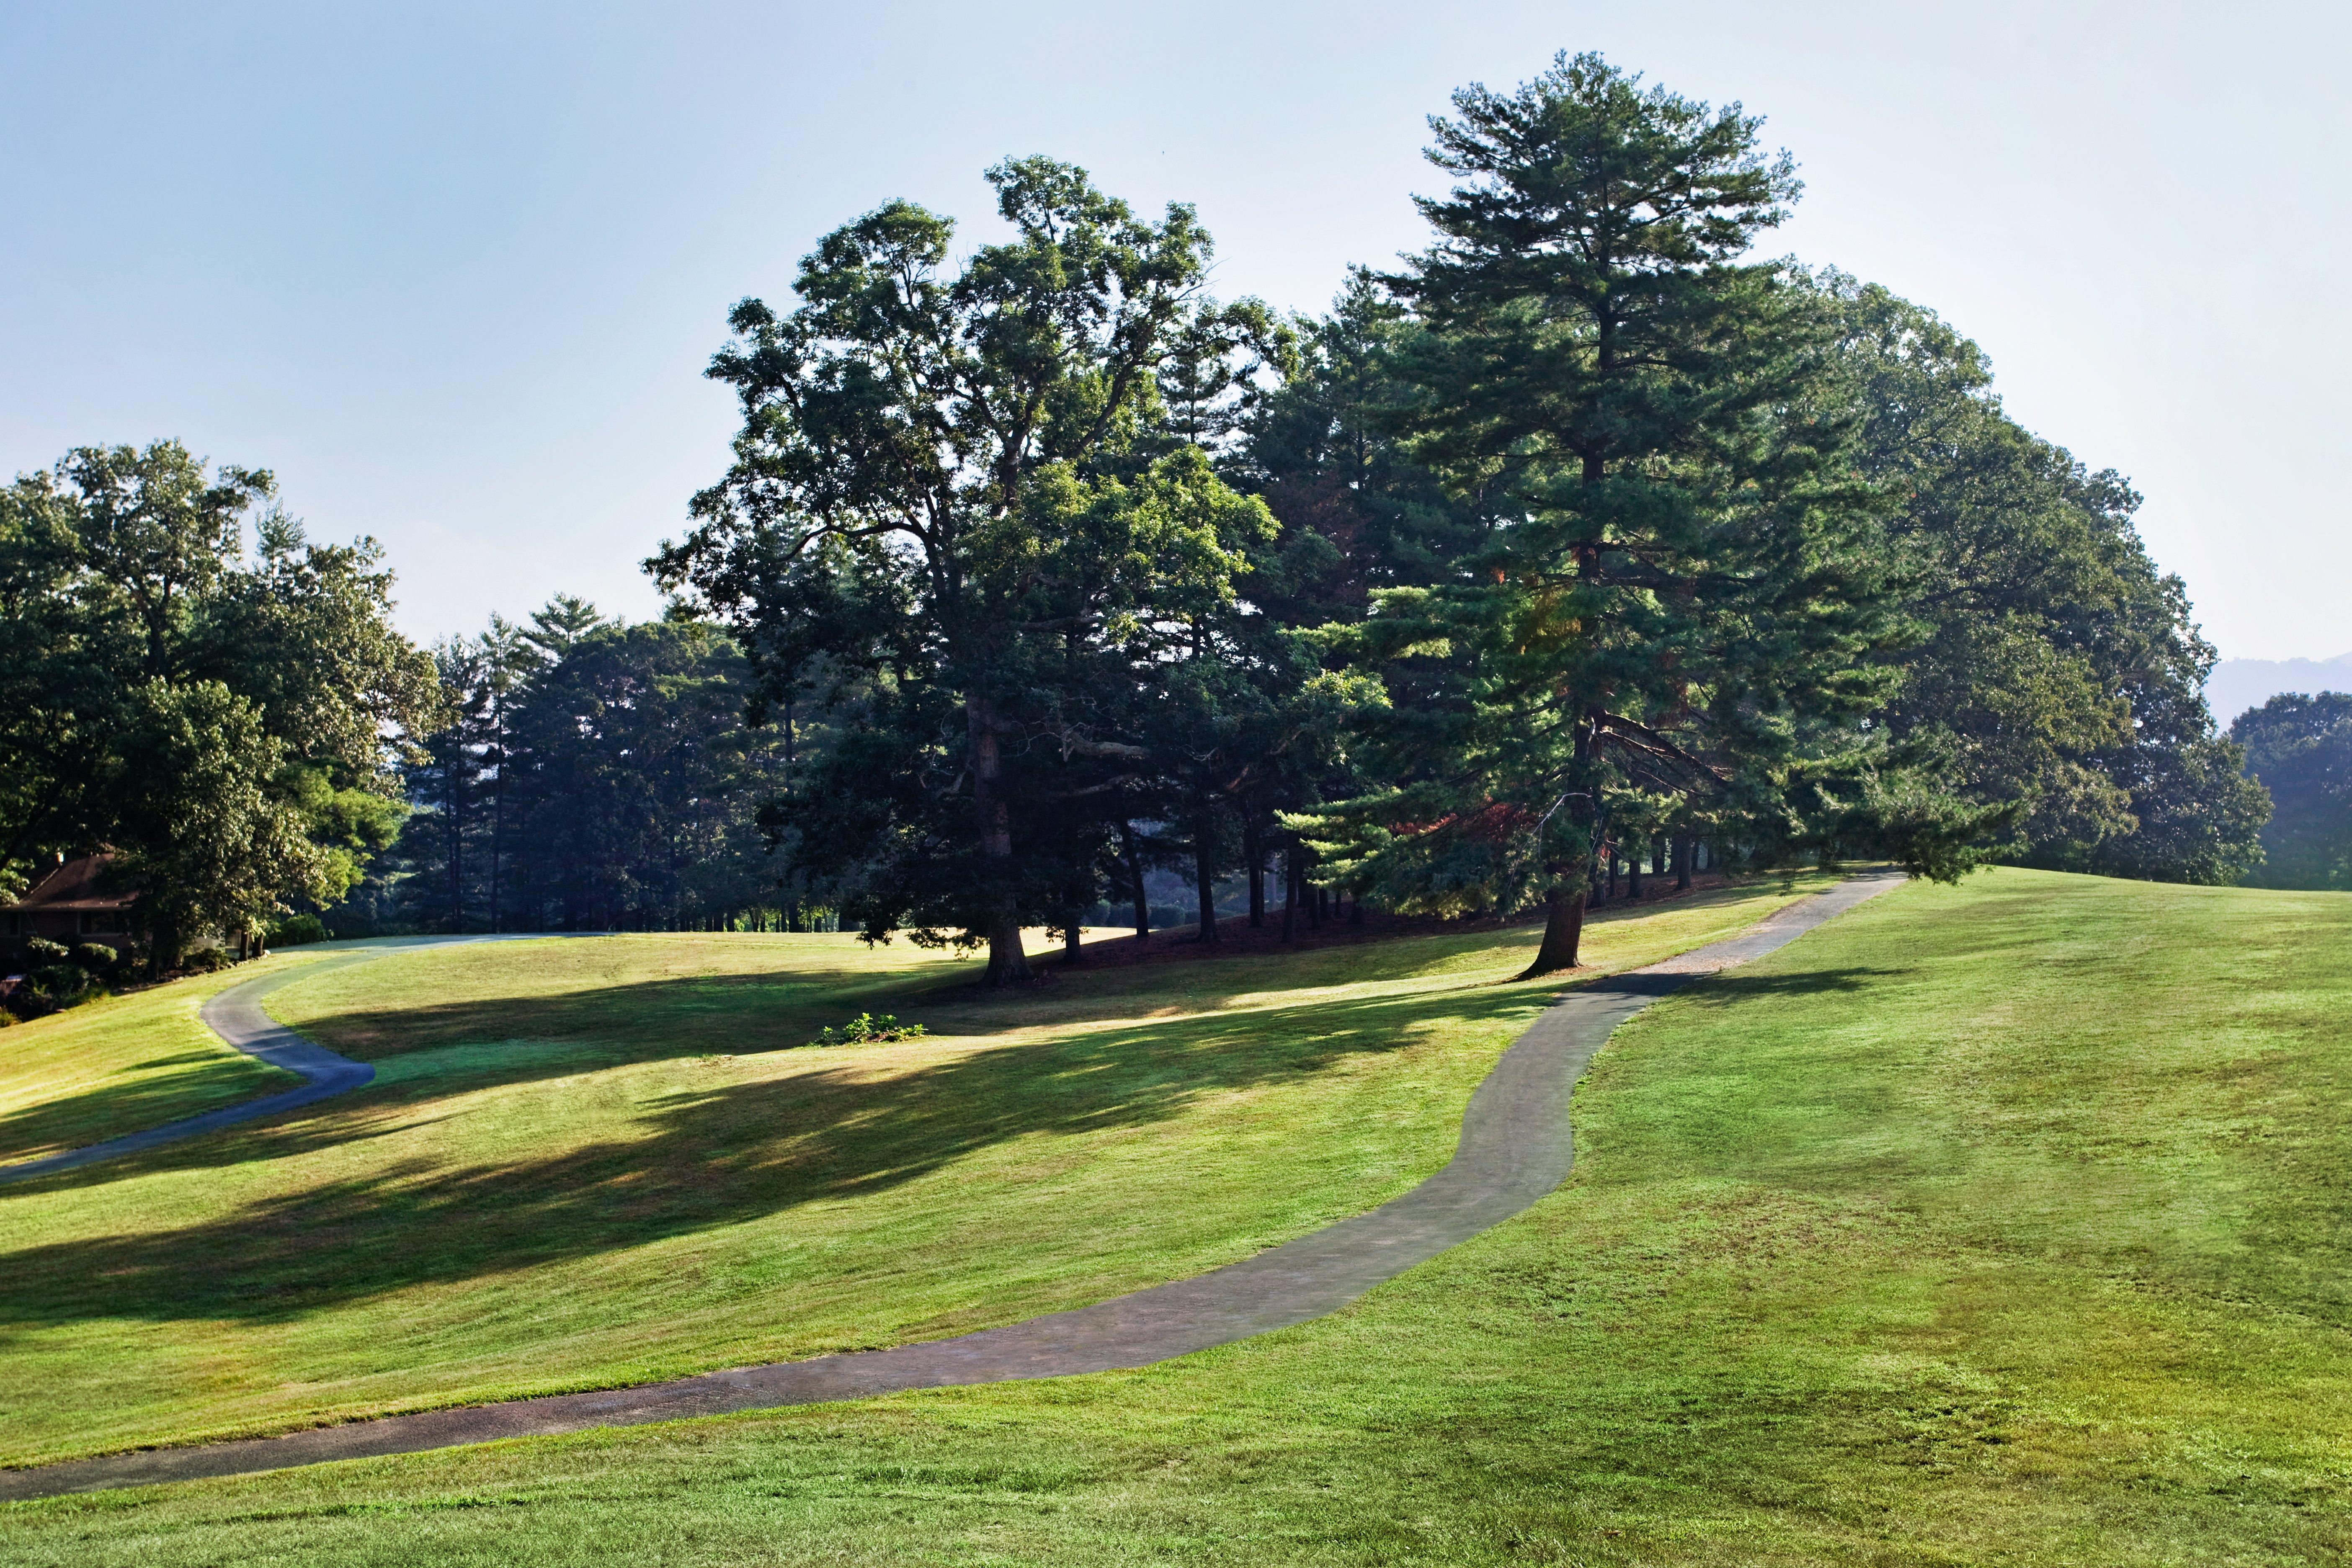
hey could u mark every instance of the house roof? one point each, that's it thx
(73, 886)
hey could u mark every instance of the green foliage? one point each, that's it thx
(1664, 619)
(206, 835)
(613, 785)
(969, 513)
(230, 725)
(2299, 749)
(867, 1028)
(297, 931)
(2058, 675)
(60, 978)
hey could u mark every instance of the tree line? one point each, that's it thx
(1582, 529)
(1581, 535)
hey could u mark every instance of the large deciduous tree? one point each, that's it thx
(958, 516)
(231, 723)
(2056, 667)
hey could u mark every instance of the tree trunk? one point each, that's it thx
(1135, 869)
(1207, 886)
(1255, 852)
(1634, 873)
(1007, 965)
(1070, 937)
(1683, 848)
(1563, 930)
(1290, 894)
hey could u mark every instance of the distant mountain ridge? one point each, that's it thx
(2238, 684)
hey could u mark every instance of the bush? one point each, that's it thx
(207, 961)
(96, 957)
(52, 988)
(295, 931)
(865, 1028)
(44, 950)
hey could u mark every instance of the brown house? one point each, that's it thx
(66, 906)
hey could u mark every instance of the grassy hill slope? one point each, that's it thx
(587, 1164)
(1997, 1223)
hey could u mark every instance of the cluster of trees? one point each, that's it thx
(1583, 530)
(2300, 747)
(592, 775)
(226, 721)
(1583, 534)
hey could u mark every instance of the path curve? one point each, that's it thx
(237, 1016)
(1515, 1148)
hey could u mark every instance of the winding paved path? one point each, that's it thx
(1515, 1148)
(237, 1016)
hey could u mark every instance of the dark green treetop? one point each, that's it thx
(2058, 669)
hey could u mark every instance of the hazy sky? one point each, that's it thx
(453, 272)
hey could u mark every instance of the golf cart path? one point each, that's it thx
(237, 1016)
(1515, 1148)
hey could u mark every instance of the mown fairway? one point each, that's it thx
(1997, 1224)
(596, 1161)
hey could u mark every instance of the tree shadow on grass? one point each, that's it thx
(492, 1041)
(700, 1159)
(1804, 983)
(110, 1109)
(639, 1020)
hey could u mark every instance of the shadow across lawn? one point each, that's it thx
(110, 1109)
(638, 1020)
(473, 1043)
(702, 1160)
(1804, 983)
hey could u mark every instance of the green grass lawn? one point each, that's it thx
(124, 1063)
(587, 1162)
(1997, 1223)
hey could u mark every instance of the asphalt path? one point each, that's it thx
(237, 1016)
(1515, 1148)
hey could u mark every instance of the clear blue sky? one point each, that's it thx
(453, 271)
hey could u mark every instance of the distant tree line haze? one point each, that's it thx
(1584, 538)
(2301, 748)
(593, 776)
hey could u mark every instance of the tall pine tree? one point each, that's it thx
(1668, 612)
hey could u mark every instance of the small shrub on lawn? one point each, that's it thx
(207, 961)
(865, 1028)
